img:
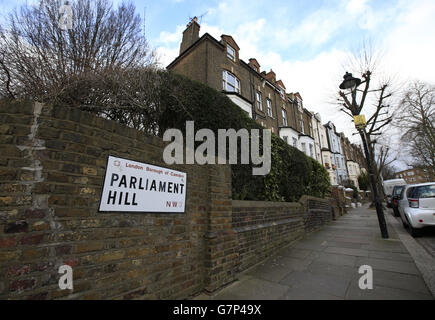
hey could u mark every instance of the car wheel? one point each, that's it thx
(405, 225)
(412, 231)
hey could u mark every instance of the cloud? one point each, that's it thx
(308, 52)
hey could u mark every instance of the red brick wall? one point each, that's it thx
(52, 164)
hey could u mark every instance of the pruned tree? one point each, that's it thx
(373, 100)
(98, 61)
(416, 118)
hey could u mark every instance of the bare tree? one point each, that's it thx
(40, 60)
(416, 117)
(373, 100)
(384, 159)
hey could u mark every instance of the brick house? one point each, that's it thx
(259, 93)
(414, 175)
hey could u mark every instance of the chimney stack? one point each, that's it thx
(190, 35)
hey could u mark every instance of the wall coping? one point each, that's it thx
(250, 203)
(305, 198)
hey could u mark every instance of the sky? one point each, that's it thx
(306, 43)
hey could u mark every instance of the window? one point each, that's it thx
(230, 82)
(311, 151)
(231, 53)
(285, 139)
(301, 122)
(304, 148)
(295, 141)
(269, 107)
(259, 104)
(424, 192)
(282, 93)
(299, 102)
(284, 118)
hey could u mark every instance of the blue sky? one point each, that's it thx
(306, 43)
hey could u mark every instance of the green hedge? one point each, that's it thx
(292, 173)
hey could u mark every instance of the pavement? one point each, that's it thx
(324, 265)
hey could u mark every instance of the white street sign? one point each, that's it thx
(131, 186)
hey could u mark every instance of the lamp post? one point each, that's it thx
(352, 83)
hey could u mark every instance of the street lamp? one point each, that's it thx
(352, 83)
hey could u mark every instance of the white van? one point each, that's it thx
(388, 188)
(389, 185)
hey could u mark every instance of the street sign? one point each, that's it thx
(131, 186)
(360, 121)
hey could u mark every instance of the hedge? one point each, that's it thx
(292, 172)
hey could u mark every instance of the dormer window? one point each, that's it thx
(231, 53)
(230, 82)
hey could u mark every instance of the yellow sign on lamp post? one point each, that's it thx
(360, 121)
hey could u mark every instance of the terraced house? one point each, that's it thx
(259, 93)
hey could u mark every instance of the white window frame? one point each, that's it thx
(258, 100)
(227, 85)
(269, 107)
(284, 117)
(231, 55)
(281, 92)
(299, 103)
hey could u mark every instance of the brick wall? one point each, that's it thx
(52, 164)
(264, 227)
(317, 212)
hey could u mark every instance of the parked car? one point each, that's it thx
(388, 186)
(397, 190)
(417, 206)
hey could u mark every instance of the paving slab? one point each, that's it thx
(391, 256)
(348, 251)
(345, 272)
(295, 252)
(337, 259)
(383, 293)
(252, 289)
(329, 284)
(400, 281)
(389, 265)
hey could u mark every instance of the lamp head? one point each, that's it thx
(349, 82)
